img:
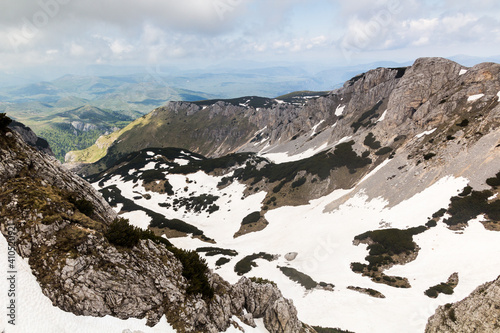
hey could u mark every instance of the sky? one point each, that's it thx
(201, 33)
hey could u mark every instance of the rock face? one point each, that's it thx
(479, 312)
(83, 273)
(31, 138)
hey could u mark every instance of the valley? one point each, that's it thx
(372, 207)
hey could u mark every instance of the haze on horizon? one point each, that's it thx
(68, 35)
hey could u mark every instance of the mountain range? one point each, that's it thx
(373, 208)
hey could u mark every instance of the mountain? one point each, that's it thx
(65, 246)
(369, 206)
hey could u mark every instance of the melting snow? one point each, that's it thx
(498, 95)
(418, 136)
(474, 97)
(315, 127)
(325, 251)
(339, 110)
(150, 153)
(181, 161)
(462, 71)
(284, 157)
(137, 218)
(149, 166)
(383, 116)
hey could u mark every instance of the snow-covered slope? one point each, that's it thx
(322, 239)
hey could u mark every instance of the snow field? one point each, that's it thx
(324, 243)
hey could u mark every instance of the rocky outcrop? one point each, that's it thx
(83, 273)
(479, 312)
(31, 138)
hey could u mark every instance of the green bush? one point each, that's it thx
(320, 329)
(213, 251)
(245, 265)
(260, 280)
(439, 213)
(194, 269)
(251, 218)
(428, 156)
(299, 182)
(152, 175)
(371, 142)
(494, 181)
(83, 205)
(466, 191)
(303, 279)
(4, 121)
(222, 261)
(383, 151)
(357, 267)
(121, 233)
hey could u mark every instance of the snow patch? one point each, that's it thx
(150, 153)
(315, 127)
(498, 95)
(284, 157)
(474, 97)
(138, 218)
(418, 136)
(382, 117)
(462, 71)
(181, 161)
(339, 110)
(149, 166)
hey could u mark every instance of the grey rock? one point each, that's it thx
(478, 312)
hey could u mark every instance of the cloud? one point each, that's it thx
(200, 31)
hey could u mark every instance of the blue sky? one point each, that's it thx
(200, 33)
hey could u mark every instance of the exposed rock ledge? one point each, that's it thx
(478, 312)
(81, 272)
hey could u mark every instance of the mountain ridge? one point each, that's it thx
(315, 181)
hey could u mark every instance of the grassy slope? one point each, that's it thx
(198, 132)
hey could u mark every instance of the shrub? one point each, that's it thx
(494, 181)
(466, 191)
(213, 251)
(428, 156)
(383, 151)
(83, 205)
(299, 182)
(439, 213)
(463, 209)
(357, 267)
(260, 280)
(245, 265)
(152, 175)
(431, 293)
(222, 261)
(452, 315)
(251, 218)
(320, 329)
(194, 269)
(121, 233)
(371, 142)
(431, 224)
(303, 279)
(4, 121)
